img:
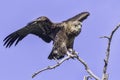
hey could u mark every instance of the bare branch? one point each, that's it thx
(105, 37)
(70, 54)
(106, 60)
(52, 67)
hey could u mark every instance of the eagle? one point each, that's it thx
(62, 34)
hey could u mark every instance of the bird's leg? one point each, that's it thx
(56, 60)
(72, 52)
(69, 52)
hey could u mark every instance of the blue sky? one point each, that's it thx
(30, 55)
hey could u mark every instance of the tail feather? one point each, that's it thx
(54, 54)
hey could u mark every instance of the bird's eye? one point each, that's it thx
(76, 25)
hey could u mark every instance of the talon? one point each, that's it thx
(69, 54)
(70, 50)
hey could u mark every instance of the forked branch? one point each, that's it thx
(106, 60)
(72, 54)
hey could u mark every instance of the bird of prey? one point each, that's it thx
(62, 34)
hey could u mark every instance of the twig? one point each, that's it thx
(72, 55)
(52, 67)
(106, 60)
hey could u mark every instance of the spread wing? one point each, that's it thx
(80, 17)
(41, 27)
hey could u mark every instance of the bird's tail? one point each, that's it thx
(55, 55)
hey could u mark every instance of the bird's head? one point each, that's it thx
(76, 27)
(73, 28)
(74, 24)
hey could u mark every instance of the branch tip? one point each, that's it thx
(105, 37)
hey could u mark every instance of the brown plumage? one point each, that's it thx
(62, 34)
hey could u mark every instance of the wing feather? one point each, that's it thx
(41, 27)
(15, 37)
(80, 17)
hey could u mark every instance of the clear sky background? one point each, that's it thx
(30, 55)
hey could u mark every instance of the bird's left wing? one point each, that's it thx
(79, 17)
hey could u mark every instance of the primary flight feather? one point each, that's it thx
(62, 34)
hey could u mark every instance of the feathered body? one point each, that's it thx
(62, 34)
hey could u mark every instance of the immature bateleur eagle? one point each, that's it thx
(62, 34)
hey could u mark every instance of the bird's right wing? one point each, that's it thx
(15, 37)
(40, 27)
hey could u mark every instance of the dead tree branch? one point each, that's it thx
(51, 67)
(106, 60)
(72, 55)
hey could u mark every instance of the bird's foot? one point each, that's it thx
(70, 50)
(70, 53)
